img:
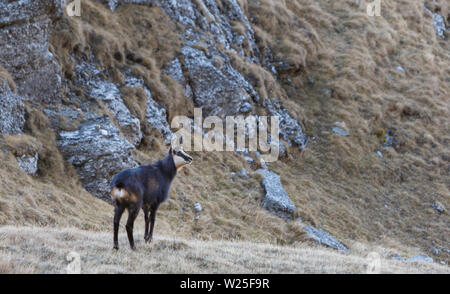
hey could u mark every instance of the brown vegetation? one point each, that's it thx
(37, 250)
(338, 184)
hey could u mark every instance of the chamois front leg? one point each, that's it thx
(147, 223)
(118, 211)
(152, 224)
(132, 214)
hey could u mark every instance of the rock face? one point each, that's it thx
(175, 71)
(209, 36)
(98, 152)
(217, 92)
(99, 147)
(155, 115)
(24, 41)
(29, 163)
(12, 110)
(276, 200)
(96, 87)
(324, 238)
(290, 129)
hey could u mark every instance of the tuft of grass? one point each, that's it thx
(5, 76)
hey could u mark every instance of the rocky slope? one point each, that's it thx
(100, 91)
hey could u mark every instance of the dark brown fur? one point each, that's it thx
(143, 187)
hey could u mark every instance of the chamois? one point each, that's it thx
(145, 187)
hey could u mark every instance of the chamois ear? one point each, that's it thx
(170, 150)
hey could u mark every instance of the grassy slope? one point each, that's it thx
(38, 250)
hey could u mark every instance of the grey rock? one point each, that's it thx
(26, 27)
(243, 173)
(221, 91)
(290, 129)
(217, 92)
(435, 251)
(249, 159)
(438, 207)
(155, 115)
(198, 207)
(175, 71)
(88, 75)
(276, 199)
(400, 69)
(324, 238)
(379, 154)
(282, 151)
(110, 94)
(97, 156)
(113, 4)
(340, 131)
(398, 257)
(12, 110)
(210, 26)
(439, 25)
(442, 262)
(421, 258)
(261, 160)
(29, 163)
(245, 107)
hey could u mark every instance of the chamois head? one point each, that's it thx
(180, 158)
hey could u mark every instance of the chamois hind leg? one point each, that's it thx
(118, 211)
(147, 223)
(132, 214)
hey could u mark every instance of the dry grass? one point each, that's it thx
(5, 76)
(44, 250)
(54, 196)
(136, 38)
(338, 184)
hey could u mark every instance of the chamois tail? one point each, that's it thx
(118, 189)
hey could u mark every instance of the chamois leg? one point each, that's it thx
(152, 224)
(118, 211)
(147, 223)
(132, 214)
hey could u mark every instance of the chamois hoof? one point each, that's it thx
(133, 248)
(148, 240)
(116, 247)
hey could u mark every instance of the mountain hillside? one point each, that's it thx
(363, 103)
